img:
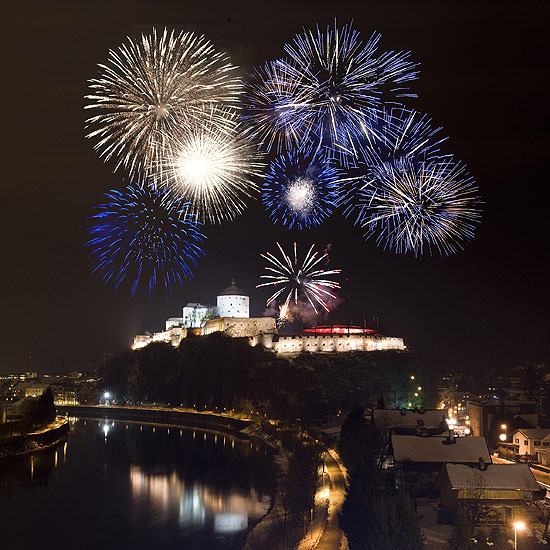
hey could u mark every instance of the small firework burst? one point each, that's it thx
(299, 280)
(151, 87)
(411, 206)
(144, 234)
(301, 189)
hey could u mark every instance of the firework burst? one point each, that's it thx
(297, 280)
(143, 234)
(410, 206)
(213, 167)
(155, 86)
(301, 189)
(400, 133)
(325, 90)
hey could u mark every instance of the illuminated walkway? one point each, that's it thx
(328, 535)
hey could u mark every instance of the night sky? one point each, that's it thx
(484, 78)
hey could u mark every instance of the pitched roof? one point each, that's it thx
(433, 449)
(496, 476)
(404, 418)
(533, 433)
(232, 290)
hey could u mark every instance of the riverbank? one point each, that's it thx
(279, 528)
(163, 415)
(19, 445)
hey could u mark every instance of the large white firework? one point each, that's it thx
(410, 206)
(213, 167)
(151, 89)
(295, 280)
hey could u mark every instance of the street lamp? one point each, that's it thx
(518, 526)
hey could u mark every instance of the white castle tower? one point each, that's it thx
(233, 302)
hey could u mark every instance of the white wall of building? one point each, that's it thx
(194, 316)
(233, 306)
(340, 342)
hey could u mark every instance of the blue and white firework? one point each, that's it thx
(395, 134)
(301, 189)
(401, 133)
(326, 90)
(143, 234)
(410, 207)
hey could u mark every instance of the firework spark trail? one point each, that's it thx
(156, 85)
(301, 189)
(401, 133)
(297, 280)
(396, 134)
(213, 167)
(408, 206)
(325, 91)
(144, 233)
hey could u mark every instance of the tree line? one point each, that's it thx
(217, 372)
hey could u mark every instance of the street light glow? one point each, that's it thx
(503, 426)
(519, 526)
(106, 395)
(502, 437)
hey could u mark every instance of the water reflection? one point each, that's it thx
(195, 502)
(129, 485)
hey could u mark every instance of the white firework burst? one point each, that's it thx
(213, 167)
(152, 88)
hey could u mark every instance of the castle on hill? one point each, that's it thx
(232, 316)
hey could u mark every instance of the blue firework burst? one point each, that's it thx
(326, 90)
(301, 189)
(410, 207)
(143, 234)
(400, 133)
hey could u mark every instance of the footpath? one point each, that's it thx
(325, 533)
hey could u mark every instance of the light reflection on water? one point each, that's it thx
(129, 485)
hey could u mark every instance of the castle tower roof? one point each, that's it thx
(232, 290)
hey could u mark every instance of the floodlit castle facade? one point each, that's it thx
(232, 316)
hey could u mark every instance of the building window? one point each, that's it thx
(537, 442)
(516, 440)
(525, 442)
(545, 443)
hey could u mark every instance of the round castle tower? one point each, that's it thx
(233, 302)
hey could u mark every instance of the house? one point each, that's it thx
(526, 439)
(493, 493)
(31, 387)
(543, 451)
(406, 421)
(418, 460)
(438, 450)
(519, 414)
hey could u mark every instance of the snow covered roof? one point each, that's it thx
(433, 449)
(405, 418)
(496, 476)
(533, 433)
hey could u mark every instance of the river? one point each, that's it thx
(124, 485)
